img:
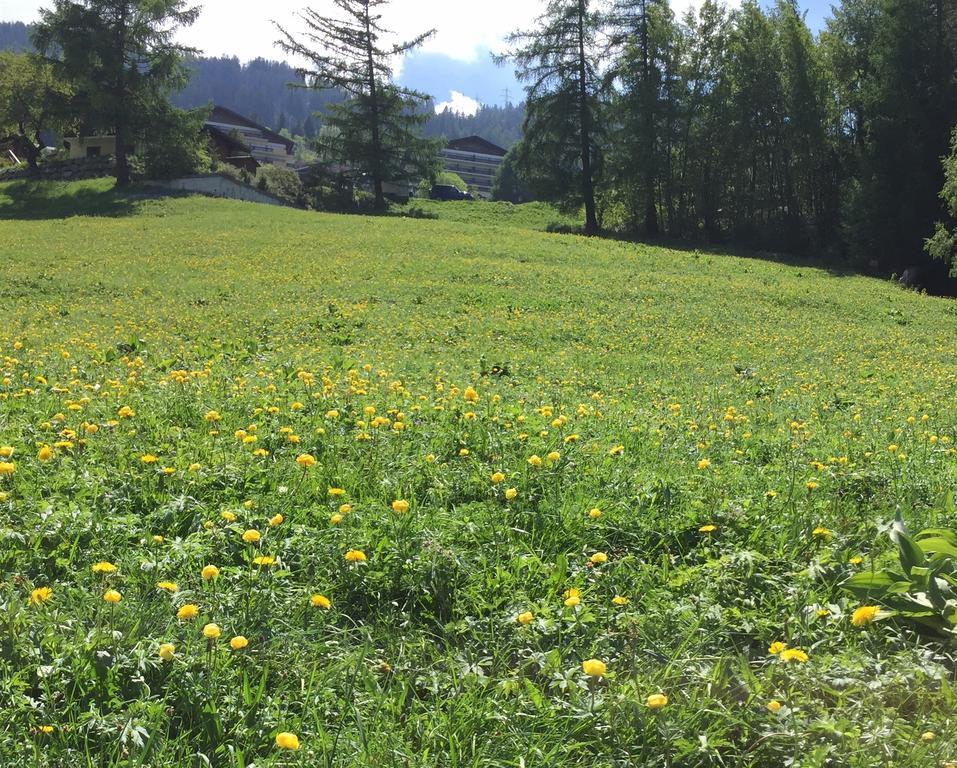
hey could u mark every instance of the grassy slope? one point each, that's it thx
(615, 336)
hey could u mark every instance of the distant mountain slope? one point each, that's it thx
(14, 36)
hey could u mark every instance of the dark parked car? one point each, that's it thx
(448, 192)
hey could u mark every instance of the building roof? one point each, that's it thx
(225, 116)
(476, 144)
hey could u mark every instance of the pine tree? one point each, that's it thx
(558, 60)
(121, 60)
(376, 131)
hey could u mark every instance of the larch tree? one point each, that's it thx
(558, 61)
(376, 131)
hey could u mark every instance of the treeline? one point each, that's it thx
(14, 36)
(740, 126)
(501, 125)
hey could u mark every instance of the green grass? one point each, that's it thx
(679, 390)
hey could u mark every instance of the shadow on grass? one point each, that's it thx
(60, 200)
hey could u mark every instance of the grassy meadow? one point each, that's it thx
(281, 488)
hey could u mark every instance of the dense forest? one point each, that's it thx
(741, 126)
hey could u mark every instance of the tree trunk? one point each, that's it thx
(374, 108)
(122, 160)
(584, 115)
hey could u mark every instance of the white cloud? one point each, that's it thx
(459, 103)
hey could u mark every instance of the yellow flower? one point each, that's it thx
(336, 492)
(168, 586)
(810, 485)
(126, 412)
(525, 618)
(229, 517)
(616, 450)
(497, 477)
(238, 643)
(534, 461)
(598, 558)
(212, 416)
(928, 736)
(335, 519)
(793, 655)
(470, 395)
(704, 463)
(148, 458)
(112, 596)
(400, 506)
(657, 701)
(251, 536)
(286, 740)
(776, 647)
(103, 566)
(275, 520)
(167, 651)
(188, 611)
(594, 668)
(774, 706)
(264, 560)
(707, 528)
(6, 451)
(864, 615)
(856, 560)
(211, 631)
(306, 460)
(510, 493)
(7, 467)
(572, 597)
(209, 572)
(594, 513)
(320, 601)
(553, 456)
(40, 595)
(47, 729)
(620, 600)
(822, 533)
(345, 509)
(355, 556)
(45, 453)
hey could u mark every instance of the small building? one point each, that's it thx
(90, 146)
(236, 133)
(475, 160)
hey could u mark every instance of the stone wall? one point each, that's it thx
(214, 185)
(63, 170)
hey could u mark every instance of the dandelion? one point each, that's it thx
(620, 600)
(534, 461)
(355, 556)
(40, 595)
(572, 597)
(774, 706)
(864, 615)
(211, 631)
(148, 458)
(212, 416)
(594, 668)
(112, 596)
(497, 477)
(286, 740)
(6, 451)
(400, 506)
(187, 612)
(275, 520)
(320, 601)
(104, 566)
(822, 533)
(167, 651)
(510, 493)
(707, 528)
(470, 395)
(335, 492)
(167, 586)
(238, 643)
(811, 485)
(776, 647)
(7, 467)
(251, 536)
(594, 513)
(46, 729)
(792, 655)
(126, 412)
(45, 453)
(553, 456)
(209, 572)
(856, 560)
(928, 736)
(264, 561)
(598, 558)
(306, 460)
(525, 618)
(704, 463)
(657, 701)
